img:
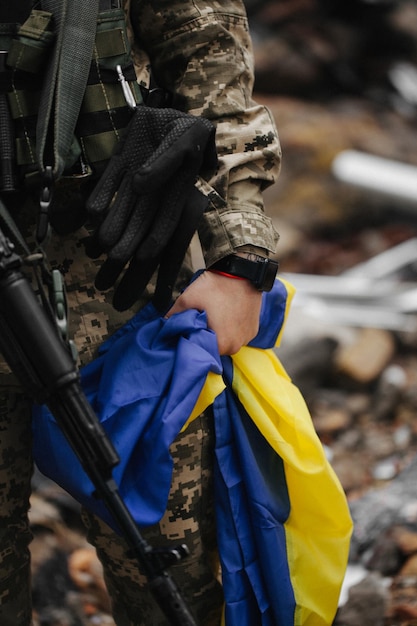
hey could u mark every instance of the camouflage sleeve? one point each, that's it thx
(202, 51)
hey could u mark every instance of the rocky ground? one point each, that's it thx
(328, 78)
(352, 357)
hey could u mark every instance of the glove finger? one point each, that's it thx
(174, 253)
(134, 282)
(124, 249)
(92, 246)
(168, 216)
(138, 227)
(117, 219)
(140, 271)
(100, 198)
(108, 274)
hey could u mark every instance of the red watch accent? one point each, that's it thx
(226, 274)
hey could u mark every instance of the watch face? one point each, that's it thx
(269, 274)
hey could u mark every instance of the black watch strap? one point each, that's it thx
(261, 273)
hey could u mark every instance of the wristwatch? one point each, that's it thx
(261, 272)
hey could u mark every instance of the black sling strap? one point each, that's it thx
(65, 80)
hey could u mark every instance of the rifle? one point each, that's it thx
(42, 361)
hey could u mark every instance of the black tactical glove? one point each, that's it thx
(146, 206)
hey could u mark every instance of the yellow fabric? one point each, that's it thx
(319, 527)
(213, 387)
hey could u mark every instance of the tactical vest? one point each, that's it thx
(109, 94)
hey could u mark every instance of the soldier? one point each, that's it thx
(201, 52)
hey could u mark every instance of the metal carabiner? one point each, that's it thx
(130, 100)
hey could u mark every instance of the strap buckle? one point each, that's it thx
(58, 298)
(59, 304)
(45, 201)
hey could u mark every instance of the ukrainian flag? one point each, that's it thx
(283, 522)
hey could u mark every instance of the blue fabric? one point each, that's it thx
(143, 387)
(252, 505)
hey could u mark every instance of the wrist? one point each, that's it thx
(259, 271)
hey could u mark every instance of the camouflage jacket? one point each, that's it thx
(202, 51)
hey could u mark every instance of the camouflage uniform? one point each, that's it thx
(202, 51)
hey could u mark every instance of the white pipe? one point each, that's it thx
(376, 174)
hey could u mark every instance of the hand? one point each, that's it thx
(232, 305)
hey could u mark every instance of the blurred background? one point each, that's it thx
(340, 77)
(341, 81)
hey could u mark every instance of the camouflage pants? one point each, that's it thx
(189, 517)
